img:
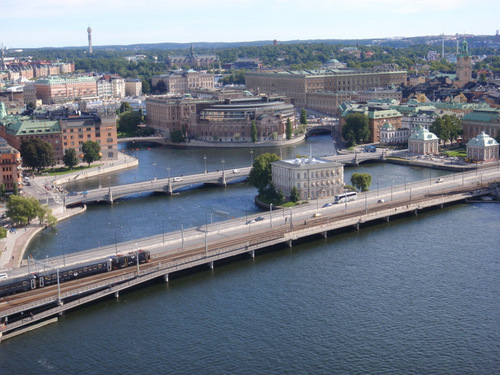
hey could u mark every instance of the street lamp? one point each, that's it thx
(223, 167)
(271, 214)
(168, 171)
(99, 169)
(154, 166)
(205, 160)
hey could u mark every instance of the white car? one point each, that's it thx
(3, 276)
(439, 180)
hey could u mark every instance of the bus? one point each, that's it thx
(346, 197)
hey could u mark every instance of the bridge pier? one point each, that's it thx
(110, 197)
(165, 277)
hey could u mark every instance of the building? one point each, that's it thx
(464, 66)
(298, 84)
(59, 89)
(379, 93)
(133, 87)
(180, 82)
(11, 168)
(228, 120)
(313, 178)
(479, 120)
(482, 148)
(423, 142)
(192, 59)
(389, 135)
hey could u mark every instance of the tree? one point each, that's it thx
(129, 122)
(125, 107)
(260, 174)
(177, 137)
(2, 192)
(3, 232)
(289, 130)
(253, 132)
(37, 154)
(294, 194)
(303, 116)
(15, 189)
(447, 128)
(44, 214)
(91, 152)
(355, 128)
(361, 181)
(22, 210)
(69, 158)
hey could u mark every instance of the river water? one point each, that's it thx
(416, 295)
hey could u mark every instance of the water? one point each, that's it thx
(416, 295)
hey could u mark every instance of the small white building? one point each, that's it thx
(423, 142)
(389, 135)
(313, 178)
(482, 148)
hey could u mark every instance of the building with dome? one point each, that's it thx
(389, 135)
(482, 148)
(423, 142)
(313, 178)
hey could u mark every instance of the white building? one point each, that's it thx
(313, 178)
(133, 87)
(389, 135)
(423, 142)
(482, 148)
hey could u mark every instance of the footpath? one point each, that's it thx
(46, 189)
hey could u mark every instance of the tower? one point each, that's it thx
(464, 65)
(89, 31)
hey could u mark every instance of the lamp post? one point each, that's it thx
(154, 166)
(205, 160)
(99, 169)
(223, 167)
(291, 224)
(271, 214)
(168, 171)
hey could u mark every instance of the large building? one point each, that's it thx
(464, 65)
(482, 148)
(11, 169)
(299, 84)
(133, 87)
(484, 119)
(423, 142)
(229, 120)
(313, 178)
(192, 59)
(180, 82)
(60, 89)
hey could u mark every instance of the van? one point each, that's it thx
(3, 276)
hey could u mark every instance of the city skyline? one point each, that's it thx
(31, 24)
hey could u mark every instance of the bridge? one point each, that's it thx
(168, 185)
(208, 244)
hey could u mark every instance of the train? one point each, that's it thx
(75, 271)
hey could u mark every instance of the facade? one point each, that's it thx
(313, 178)
(329, 102)
(477, 121)
(180, 82)
(192, 59)
(228, 120)
(58, 89)
(298, 84)
(11, 169)
(423, 142)
(133, 87)
(379, 93)
(389, 135)
(482, 148)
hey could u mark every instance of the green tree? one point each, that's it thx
(260, 174)
(3, 232)
(21, 210)
(91, 152)
(44, 214)
(253, 132)
(146, 87)
(69, 158)
(361, 181)
(125, 107)
(37, 154)
(15, 189)
(447, 128)
(355, 128)
(289, 130)
(177, 137)
(303, 116)
(294, 194)
(129, 122)
(2, 192)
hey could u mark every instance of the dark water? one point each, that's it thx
(420, 295)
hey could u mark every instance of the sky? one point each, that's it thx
(63, 23)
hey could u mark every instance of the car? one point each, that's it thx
(85, 192)
(260, 218)
(381, 201)
(329, 204)
(317, 214)
(236, 171)
(439, 180)
(72, 193)
(3, 276)
(177, 179)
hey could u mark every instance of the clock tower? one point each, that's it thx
(464, 65)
